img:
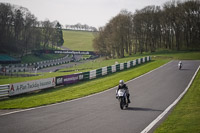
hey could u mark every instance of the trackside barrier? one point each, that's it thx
(92, 74)
(111, 69)
(104, 71)
(17, 68)
(114, 68)
(4, 90)
(28, 86)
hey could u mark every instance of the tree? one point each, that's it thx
(59, 34)
(176, 26)
(47, 32)
(6, 28)
(21, 32)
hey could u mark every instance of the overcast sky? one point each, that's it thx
(92, 12)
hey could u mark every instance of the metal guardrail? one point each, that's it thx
(4, 90)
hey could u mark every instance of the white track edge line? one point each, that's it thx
(23, 110)
(154, 122)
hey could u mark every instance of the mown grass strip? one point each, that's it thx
(185, 117)
(82, 89)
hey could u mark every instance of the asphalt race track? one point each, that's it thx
(151, 94)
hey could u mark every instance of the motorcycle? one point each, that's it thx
(121, 96)
(179, 66)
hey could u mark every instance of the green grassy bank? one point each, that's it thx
(78, 40)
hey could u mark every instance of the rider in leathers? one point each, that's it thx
(123, 86)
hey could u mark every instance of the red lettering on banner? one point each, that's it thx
(12, 88)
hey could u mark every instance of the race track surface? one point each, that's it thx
(151, 94)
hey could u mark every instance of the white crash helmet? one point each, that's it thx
(121, 82)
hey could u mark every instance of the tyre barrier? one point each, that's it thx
(28, 86)
(40, 65)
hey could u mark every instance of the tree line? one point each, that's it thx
(174, 26)
(21, 32)
(82, 27)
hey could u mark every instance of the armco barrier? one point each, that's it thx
(4, 89)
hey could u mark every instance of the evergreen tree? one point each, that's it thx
(59, 33)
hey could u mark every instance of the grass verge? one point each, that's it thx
(81, 89)
(177, 55)
(185, 117)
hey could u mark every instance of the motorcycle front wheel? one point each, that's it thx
(121, 103)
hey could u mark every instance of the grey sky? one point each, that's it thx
(92, 12)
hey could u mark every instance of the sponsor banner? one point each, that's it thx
(128, 64)
(113, 68)
(23, 87)
(139, 61)
(59, 81)
(143, 59)
(92, 74)
(121, 66)
(104, 70)
(80, 76)
(70, 79)
(148, 58)
(134, 62)
(71, 52)
(64, 52)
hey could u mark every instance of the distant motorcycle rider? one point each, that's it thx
(122, 85)
(180, 64)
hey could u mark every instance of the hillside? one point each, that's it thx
(78, 40)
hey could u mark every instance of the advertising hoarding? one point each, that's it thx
(28, 86)
(70, 79)
(59, 80)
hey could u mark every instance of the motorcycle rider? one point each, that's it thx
(180, 64)
(122, 85)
